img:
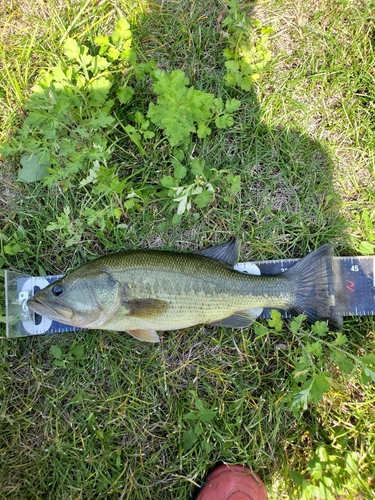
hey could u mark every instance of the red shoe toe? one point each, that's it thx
(232, 482)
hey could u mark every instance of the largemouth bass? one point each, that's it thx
(145, 291)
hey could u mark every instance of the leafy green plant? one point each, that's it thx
(100, 209)
(196, 184)
(181, 110)
(310, 375)
(140, 132)
(197, 419)
(189, 185)
(70, 109)
(69, 229)
(247, 52)
(364, 241)
(318, 352)
(14, 244)
(70, 358)
(311, 378)
(331, 474)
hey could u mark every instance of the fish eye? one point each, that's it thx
(57, 290)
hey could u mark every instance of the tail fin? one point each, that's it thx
(314, 280)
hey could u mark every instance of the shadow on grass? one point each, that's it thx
(287, 205)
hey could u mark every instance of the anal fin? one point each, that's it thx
(241, 319)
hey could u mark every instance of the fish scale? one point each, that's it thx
(196, 298)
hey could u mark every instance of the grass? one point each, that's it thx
(113, 422)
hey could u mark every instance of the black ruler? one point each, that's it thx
(355, 274)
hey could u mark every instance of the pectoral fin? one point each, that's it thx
(145, 335)
(146, 308)
(241, 319)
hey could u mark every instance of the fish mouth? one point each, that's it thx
(52, 311)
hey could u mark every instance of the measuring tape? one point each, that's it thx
(357, 276)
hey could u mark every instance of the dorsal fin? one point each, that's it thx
(226, 252)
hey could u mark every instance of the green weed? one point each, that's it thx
(72, 358)
(331, 475)
(247, 53)
(69, 110)
(71, 117)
